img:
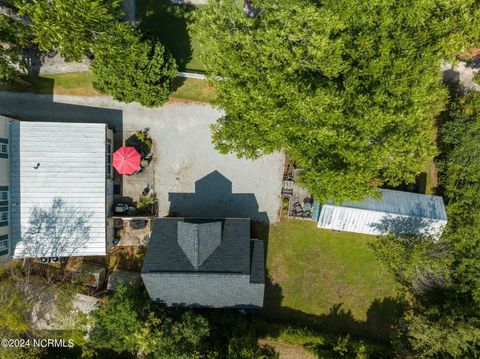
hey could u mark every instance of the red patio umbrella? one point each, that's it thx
(126, 160)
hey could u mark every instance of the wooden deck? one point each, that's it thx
(300, 202)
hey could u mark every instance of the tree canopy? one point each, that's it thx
(70, 26)
(14, 37)
(129, 323)
(126, 65)
(348, 89)
(28, 302)
(130, 68)
(441, 280)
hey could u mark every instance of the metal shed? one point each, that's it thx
(395, 212)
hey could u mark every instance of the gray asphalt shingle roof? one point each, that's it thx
(257, 271)
(199, 240)
(204, 262)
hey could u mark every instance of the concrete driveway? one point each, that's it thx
(190, 177)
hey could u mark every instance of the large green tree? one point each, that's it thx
(117, 323)
(70, 26)
(14, 36)
(126, 66)
(130, 68)
(128, 323)
(441, 280)
(349, 89)
(28, 302)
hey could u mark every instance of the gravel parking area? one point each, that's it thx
(192, 179)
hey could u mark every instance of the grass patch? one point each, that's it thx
(75, 84)
(193, 90)
(431, 184)
(169, 23)
(81, 84)
(328, 279)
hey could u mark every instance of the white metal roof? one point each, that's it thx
(398, 212)
(61, 189)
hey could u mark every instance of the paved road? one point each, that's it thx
(191, 178)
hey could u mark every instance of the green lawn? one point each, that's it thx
(81, 84)
(328, 279)
(192, 90)
(75, 84)
(167, 22)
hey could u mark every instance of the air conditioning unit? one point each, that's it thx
(121, 208)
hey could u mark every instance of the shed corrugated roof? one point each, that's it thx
(61, 189)
(396, 212)
(403, 203)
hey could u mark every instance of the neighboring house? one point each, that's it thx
(204, 263)
(59, 189)
(396, 212)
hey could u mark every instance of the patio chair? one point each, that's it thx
(148, 157)
(297, 210)
(297, 206)
(307, 207)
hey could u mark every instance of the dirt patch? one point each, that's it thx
(287, 351)
(433, 184)
(182, 171)
(126, 258)
(134, 237)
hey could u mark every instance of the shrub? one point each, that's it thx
(476, 78)
(142, 137)
(146, 205)
(131, 69)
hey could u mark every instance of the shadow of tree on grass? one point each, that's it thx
(382, 316)
(168, 23)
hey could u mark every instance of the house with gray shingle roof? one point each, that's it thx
(204, 263)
